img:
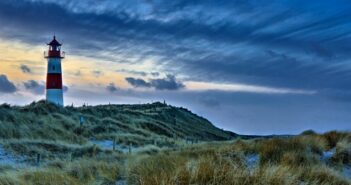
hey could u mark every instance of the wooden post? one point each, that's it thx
(81, 121)
(38, 160)
(94, 150)
(114, 144)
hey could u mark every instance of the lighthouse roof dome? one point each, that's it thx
(54, 42)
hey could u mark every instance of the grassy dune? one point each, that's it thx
(130, 123)
(159, 136)
(296, 160)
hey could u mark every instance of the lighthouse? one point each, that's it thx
(54, 55)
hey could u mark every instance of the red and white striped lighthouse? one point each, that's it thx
(54, 92)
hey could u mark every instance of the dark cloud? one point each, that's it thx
(271, 68)
(25, 69)
(6, 86)
(137, 82)
(98, 27)
(174, 39)
(111, 87)
(167, 83)
(155, 74)
(38, 87)
(34, 86)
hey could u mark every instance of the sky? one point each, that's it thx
(248, 66)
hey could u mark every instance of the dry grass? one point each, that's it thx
(333, 137)
(84, 171)
(343, 152)
(48, 177)
(291, 161)
(9, 179)
(87, 170)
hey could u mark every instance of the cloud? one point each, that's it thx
(97, 73)
(155, 74)
(237, 87)
(34, 86)
(39, 87)
(111, 87)
(77, 73)
(25, 68)
(170, 32)
(141, 73)
(6, 86)
(137, 82)
(65, 88)
(167, 83)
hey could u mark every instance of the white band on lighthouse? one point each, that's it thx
(54, 65)
(55, 96)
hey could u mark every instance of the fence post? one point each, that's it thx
(81, 121)
(94, 150)
(38, 159)
(130, 148)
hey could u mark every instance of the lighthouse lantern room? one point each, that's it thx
(54, 92)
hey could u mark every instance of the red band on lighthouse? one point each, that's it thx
(54, 81)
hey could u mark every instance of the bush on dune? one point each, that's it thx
(323, 175)
(342, 153)
(300, 150)
(333, 137)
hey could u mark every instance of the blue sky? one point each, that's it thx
(250, 66)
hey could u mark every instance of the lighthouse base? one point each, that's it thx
(55, 96)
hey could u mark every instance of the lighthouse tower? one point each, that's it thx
(54, 55)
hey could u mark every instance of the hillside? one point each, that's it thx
(129, 124)
(157, 144)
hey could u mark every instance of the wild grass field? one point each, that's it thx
(157, 144)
